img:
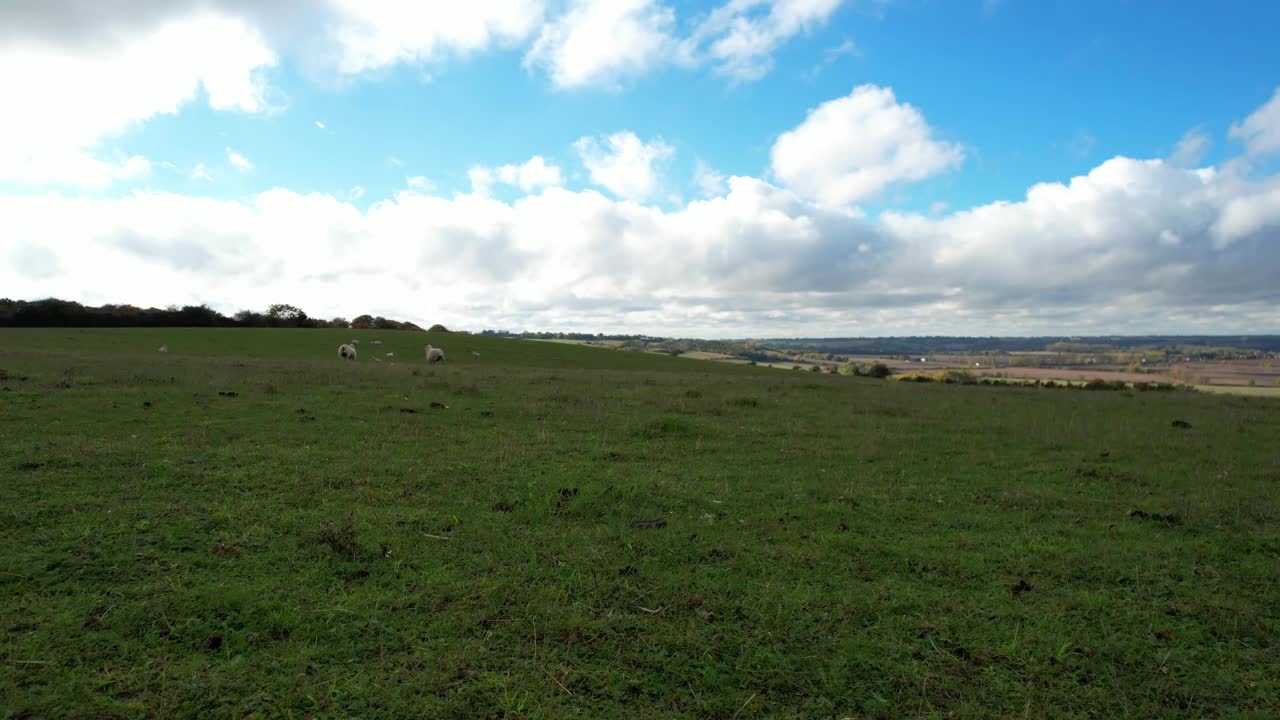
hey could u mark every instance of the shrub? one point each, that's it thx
(957, 377)
(878, 370)
(1100, 384)
(915, 377)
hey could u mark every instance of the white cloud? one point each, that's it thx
(356, 192)
(831, 55)
(534, 174)
(710, 182)
(1260, 132)
(373, 34)
(1134, 245)
(1191, 149)
(595, 43)
(320, 125)
(741, 36)
(420, 183)
(852, 148)
(63, 100)
(625, 165)
(238, 161)
(73, 167)
(394, 161)
(200, 172)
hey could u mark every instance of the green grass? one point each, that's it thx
(831, 547)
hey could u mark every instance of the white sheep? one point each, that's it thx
(164, 348)
(391, 354)
(346, 352)
(473, 352)
(377, 359)
(434, 355)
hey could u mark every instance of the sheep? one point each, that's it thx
(476, 354)
(377, 359)
(391, 354)
(346, 352)
(434, 355)
(164, 348)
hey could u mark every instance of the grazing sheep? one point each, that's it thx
(164, 348)
(346, 352)
(391, 354)
(377, 359)
(473, 352)
(434, 355)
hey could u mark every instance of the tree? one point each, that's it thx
(282, 315)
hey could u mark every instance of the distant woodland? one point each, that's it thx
(64, 313)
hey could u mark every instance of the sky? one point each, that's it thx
(730, 168)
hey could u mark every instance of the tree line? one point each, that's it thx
(52, 312)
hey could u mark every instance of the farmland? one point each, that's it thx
(247, 526)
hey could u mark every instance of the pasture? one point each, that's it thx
(247, 526)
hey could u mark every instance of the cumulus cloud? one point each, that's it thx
(1134, 245)
(740, 37)
(531, 176)
(373, 34)
(238, 161)
(320, 125)
(624, 164)
(200, 172)
(1260, 132)
(598, 42)
(852, 148)
(63, 95)
(72, 167)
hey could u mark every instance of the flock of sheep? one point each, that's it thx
(348, 352)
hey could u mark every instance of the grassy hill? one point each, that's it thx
(247, 526)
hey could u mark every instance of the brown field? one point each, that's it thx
(1073, 374)
(1224, 373)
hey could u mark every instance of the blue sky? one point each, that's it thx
(565, 164)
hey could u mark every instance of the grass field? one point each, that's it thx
(248, 527)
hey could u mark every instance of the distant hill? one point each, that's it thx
(924, 345)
